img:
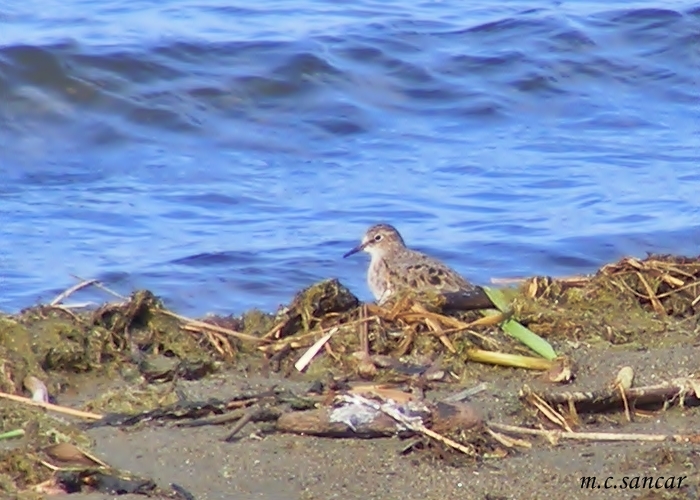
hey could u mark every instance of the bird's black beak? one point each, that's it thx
(358, 248)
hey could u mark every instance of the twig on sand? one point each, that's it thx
(242, 422)
(555, 435)
(466, 393)
(52, 407)
(70, 291)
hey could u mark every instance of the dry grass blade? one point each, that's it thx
(508, 441)
(70, 291)
(297, 341)
(552, 415)
(623, 382)
(510, 360)
(440, 333)
(490, 320)
(456, 326)
(434, 325)
(99, 285)
(216, 340)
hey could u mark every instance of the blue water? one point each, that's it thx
(225, 154)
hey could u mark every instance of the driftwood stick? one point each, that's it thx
(413, 424)
(318, 423)
(681, 391)
(254, 414)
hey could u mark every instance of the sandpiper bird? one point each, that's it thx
(395, 267)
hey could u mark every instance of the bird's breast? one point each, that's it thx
(377, 278)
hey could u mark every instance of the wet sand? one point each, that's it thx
(299, 467)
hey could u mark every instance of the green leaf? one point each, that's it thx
(516, 330)
(12, 434)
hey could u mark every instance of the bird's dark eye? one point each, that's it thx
(378, 237)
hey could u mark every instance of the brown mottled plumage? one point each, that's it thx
(395, 267)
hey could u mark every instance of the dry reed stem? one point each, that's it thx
(654, 298)
(215, 328)
(99, 285)
(575, 280)
(275, 330)
(405, 344)
(312, 351)
(672, 281)
(70, 313)
(434, 325)
(508, 441)
(680, 289)
(457, 325)
(573, 414)
(364, 331)
(296, 339)
(509, 360)
(554, 435)
(49, 406)
(70, 291)
(216, 340)
(656, 304)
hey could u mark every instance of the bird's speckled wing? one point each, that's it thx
(420, 272)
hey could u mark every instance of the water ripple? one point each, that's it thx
(227, 155)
